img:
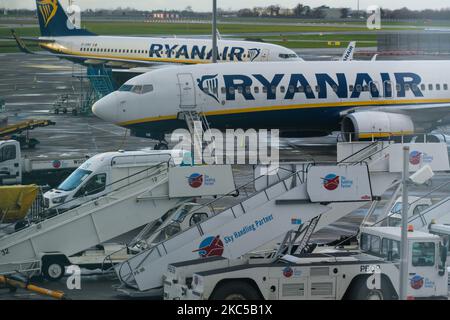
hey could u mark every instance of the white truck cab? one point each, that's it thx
(426, 255)
(369, 273)
(102, 174)
(416, 206)
(16, 169)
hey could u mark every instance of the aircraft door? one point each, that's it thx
(187, 91)
(265, 55)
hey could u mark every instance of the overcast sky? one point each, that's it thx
(205, 5)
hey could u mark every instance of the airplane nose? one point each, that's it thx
(106, 108)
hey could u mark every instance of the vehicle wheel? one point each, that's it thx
(235, 290)
(360, 291)
(53, 269)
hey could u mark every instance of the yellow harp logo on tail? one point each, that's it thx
(48, 9)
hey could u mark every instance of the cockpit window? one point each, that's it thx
(137, 89)
(147, 88)
(287, 55)
(126, 87)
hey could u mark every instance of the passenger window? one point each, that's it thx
(264, 89)
(273, 89)
(438, 87)
(335, 88)
(445, 87)
(223, 90)
(398, 88)
(317, 89)
(248, 90)
(309, 89)
(231, 90)
(423, 254)
(351, 88)
(291, 89)
(96, 184)
(423, 87)
(407, 87)
(301, 89)
(430, 87)
(256, 89)
(366, 88)
(147, 88)
(8, 153)
(375, 244)
(359, 88)
(240, 89)
(282, 89)
(420, 208)
(390, 249)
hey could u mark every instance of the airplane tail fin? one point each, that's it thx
(349, 52)
(53, 20)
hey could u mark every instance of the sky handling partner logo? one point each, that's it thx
(210, 247)
(48, 9)
(416, 282)
(331, 182)
(414, 157)
(195, 180)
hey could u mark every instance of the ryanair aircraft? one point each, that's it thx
(63, 39)
(363, 99)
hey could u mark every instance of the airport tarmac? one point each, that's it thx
(31, 84)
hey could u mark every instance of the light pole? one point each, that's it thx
(214, 32)
(404, 234)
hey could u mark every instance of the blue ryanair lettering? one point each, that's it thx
(236, 52)
(339, 88)
(238, 82)
(197, 52)
(155, 50)
(170, 50)
(363, 80)
(413, 83)
(298, 83)
(271, 94)
(183, 51)
(294, 87)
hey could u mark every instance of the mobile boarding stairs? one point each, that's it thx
(138, 199)
(302, 201)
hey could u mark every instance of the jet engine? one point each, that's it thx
(373, 124)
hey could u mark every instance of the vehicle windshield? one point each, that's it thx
(397, 208)
(74, 180)
(423, 254)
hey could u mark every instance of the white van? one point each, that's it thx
(104, 173)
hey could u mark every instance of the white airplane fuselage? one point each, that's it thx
(299, 98)
(163, 50)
